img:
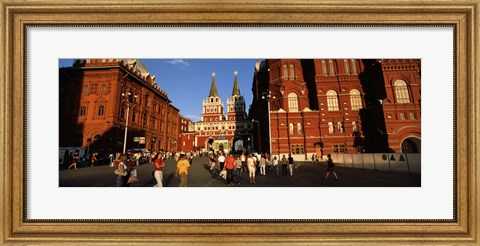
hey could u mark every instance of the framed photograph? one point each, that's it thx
(335, 63)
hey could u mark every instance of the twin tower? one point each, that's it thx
(218, 132)
(213, 106)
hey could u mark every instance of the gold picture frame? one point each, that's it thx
(17, 14)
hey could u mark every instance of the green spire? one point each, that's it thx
(213, 87)
(236, 88)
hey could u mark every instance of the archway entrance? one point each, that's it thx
(412, 145)
(220, 147)
(238, 145)
(209, 144)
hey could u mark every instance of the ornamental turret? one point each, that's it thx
(236, 103)
(213, 106)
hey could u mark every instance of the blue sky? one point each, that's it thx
(187, 81)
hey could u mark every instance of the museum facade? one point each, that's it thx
(100, 98)
(322, 106)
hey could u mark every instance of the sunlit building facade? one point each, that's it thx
(99, 97)
(322, 106)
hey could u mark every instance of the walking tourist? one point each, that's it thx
(251, 168)
(238, 168)
(211, 159)
(182, 170)
(122, 180)
(94, 159)
(284, 165)
(230, 166)
(330, 167)
(262, 165)
(290, 164)
(158, 171)
(74, 161)
(267, 161)
(221, 161)
(243, 158)
(276, 166)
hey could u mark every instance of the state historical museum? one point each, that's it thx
(99, 97)
(323, 106)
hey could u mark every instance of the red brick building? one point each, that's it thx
(215, 131)
(186, 134)
(402, 104)
(98, 97)
(336, 106)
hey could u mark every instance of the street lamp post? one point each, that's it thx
(258, 135)
(152, 147)
(126, 121)
(267, 96)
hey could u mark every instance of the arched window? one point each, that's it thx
(290, 128)
(101, 110)
(332, 100)
(354, 67)
(347, 66)
(401, 92)
(146, 101)
(330, 127)
(292, 72)
(134, 95)
(332, 68)
(83, 110)
(299, 128)
(340, 127)
(354, 126)
(292, 102)
(144, 119)
(134, 116)
(355, 99)
(285, 72)
(324, 68)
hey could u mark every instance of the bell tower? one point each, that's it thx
(213, 106)
(236, 103)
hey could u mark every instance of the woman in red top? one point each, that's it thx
(158, 172)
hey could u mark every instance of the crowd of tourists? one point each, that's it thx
(230, 167)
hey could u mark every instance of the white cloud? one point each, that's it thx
(179, 62)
